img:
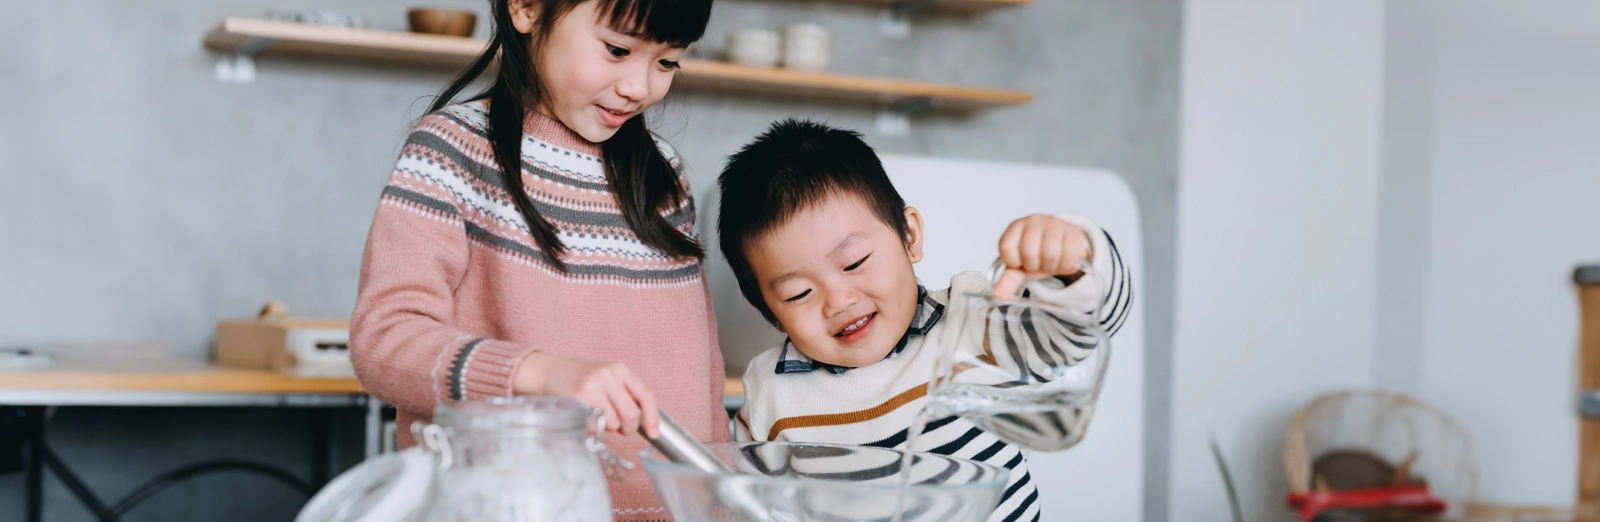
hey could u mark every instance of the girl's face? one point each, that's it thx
(595, 77)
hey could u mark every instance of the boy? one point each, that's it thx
(822, 245)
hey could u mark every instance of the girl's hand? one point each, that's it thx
(1037, 247)
(609, 387)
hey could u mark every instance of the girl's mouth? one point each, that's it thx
(613, 118)
(857, 329)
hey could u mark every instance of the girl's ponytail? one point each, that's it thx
(644, 183)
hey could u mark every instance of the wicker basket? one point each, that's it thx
(1396, 428)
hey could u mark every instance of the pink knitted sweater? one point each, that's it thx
(454, 293)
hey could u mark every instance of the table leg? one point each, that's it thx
(374, 443)
(319, 448)
(33, 426)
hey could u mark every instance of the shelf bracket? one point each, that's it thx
(910, 8)
(240, 66)
(913, 105)
(255, 45)
(895, 122)
(895, 21)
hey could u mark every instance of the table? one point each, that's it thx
(171, 382)
(166, 382)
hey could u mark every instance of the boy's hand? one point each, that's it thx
(1037, 247)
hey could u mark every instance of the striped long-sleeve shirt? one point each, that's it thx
(789, 397)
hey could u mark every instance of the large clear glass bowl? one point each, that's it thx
(791, 482)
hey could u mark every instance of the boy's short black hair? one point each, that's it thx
(794, 165)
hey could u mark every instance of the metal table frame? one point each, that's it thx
(33, 406)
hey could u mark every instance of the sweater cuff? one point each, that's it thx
(484, 368)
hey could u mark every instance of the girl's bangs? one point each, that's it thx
(675, 22)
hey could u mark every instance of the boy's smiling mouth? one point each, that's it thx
(857, 329)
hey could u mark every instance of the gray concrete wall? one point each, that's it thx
(147, 200)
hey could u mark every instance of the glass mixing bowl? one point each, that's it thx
(792, 482)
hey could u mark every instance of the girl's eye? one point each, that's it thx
(797, 298)
(618, 52)
(857, 264)
(669, 64)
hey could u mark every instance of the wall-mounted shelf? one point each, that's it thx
(900, 94)
(252, 36)
(947, 6)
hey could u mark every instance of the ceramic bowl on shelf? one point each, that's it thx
(445, 22)
(754, 47)
(806, 47)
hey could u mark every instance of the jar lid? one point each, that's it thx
(513, 416)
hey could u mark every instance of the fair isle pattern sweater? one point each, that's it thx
(454, 292)
(789, 397)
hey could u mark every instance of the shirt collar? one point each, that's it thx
(928, 313)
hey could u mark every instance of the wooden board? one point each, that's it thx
(286, 38)
(339, 42)
(168, 375)
(855, 89)
(950, 6)
(1588, 509)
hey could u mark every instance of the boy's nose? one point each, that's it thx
(840, 300)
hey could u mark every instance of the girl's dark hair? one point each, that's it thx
(640, 175)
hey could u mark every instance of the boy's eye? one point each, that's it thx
(857, 264)
(797, 298)
(618, 52)
(669, 64)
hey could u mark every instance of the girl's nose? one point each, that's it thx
(634, 85)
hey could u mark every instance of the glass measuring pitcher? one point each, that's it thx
(1025, 368)
(519, 459)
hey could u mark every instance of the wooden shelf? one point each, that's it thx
(948, 6)
(856, 89)
(251, 36)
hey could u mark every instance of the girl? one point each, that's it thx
(538, 239)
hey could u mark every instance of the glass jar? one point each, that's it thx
(518, 459)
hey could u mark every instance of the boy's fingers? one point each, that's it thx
(1009, 283)
(1029, 249)
(1008, 246)
(1050, 258)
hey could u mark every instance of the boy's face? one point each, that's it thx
(839, 280)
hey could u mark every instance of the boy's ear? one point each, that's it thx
(524, 15)
(913, 234)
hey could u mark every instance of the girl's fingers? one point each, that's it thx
(602, 402)
(649, 410)
(626, 408)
